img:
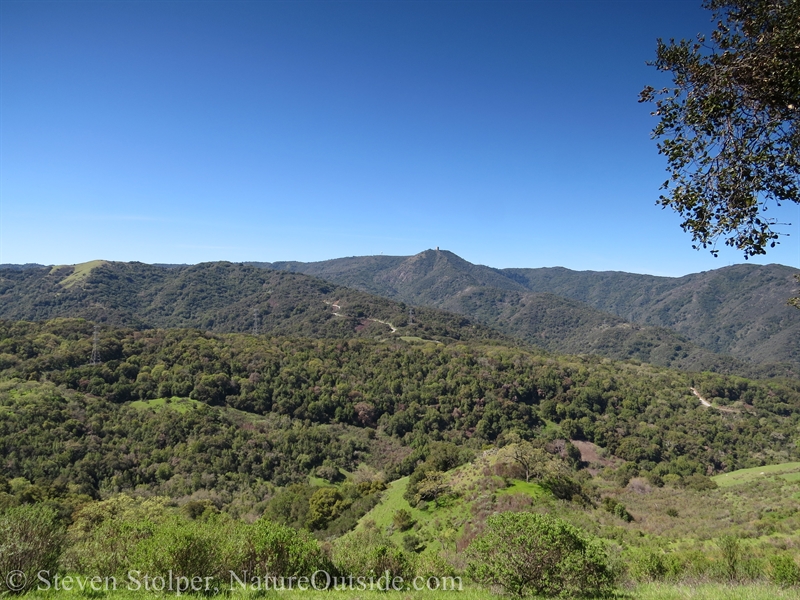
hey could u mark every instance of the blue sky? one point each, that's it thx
(507, 132)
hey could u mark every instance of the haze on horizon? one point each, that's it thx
(183, 132)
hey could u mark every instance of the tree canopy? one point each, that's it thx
(729, 123)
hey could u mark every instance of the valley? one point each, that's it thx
(370, 433)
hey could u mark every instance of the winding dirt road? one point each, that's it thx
(705, 402)
(336, 307)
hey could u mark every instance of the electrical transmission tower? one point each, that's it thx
(255, 321)
(410, 316)
(95, 352)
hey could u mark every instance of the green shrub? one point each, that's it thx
(267, 548)
(109, 548)
(672, 480)
(186, 549)
(679, 564)
(104, 535)
(349, 518)
(426, 486)
(368, 553)
(784, 570)
(527, 553)
(648, 565)
(694, 563)
(330, 473)
(563, 487)
(731, 551)
(289, 505)
(31, 539)
(751, 568)
(699, 483)
(402, 520)
(412, 543)
(324, 506)
(617, 509)
(199, 509)
(653, 564)
(655, 479)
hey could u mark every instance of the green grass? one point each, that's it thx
(534, 490)
(391, 501)
(551, 426)
(320, 482)
(787, 471)
(413, 338)
(712, 591)
(80, 272)
(181, 405)
(440, 523)
(468, 593)
(437, 525)
(652, 591)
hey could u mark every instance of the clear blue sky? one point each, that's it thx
(507, 132)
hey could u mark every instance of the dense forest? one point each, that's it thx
(307, 401)
(220, 297)
(737, 311)
(182, 438)
(748, 329)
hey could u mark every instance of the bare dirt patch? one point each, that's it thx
(591, 453)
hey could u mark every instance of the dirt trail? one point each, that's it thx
(336, 307)
(705, 402)
(392, 327)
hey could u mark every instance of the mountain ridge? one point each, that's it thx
(707, 308)
(218, 297)
(729, 319)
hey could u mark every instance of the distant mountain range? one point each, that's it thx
(733, 319)
(219, 297)
(739, 311)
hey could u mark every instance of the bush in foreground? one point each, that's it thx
(270, 549)
(31, 539)
(368, 553)
(527, 554)
(784, 570)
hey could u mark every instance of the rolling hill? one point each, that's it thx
(219, 297)
(731, 320)
(739, 311)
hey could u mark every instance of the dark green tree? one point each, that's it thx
(530, 554)
(729, 123)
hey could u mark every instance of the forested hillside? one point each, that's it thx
(568, 326)
(208, 451)
(733, 320)
(739, 311)
(82, 427)
(223, 297)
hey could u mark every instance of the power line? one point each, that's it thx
(95, 360)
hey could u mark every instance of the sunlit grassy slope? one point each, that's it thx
(180, 405)
(80, 272)
(439, 524)
(788, 471)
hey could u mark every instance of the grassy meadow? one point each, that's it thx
(651, 591)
